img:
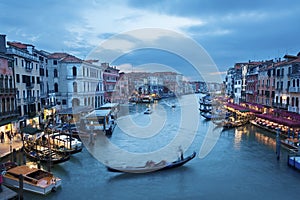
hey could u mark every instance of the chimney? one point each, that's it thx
(2, 44)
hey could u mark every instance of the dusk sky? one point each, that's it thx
(229, 31)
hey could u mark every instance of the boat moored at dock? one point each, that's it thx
(34, 180)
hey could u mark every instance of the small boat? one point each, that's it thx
(151, 166)
(45, 154)
(34, 180)
(294, 160)
(148, 111)
(65, 142)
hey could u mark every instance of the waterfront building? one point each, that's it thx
(8, 109)
(282, 84)
(229, 82)
(252, 78)
(26, 76)
(266, 84)
(75, 82)
(110, 78)
(43, 77)
(294, 87)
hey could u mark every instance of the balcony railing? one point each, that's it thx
(294, 89)
(6, 91)
(29, 85)
(8, 114)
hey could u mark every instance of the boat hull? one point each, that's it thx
(31, 188)
(159, 167)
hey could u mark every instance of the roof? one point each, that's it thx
(98, 113)
(30, 130)
(65, 57)
(19, 45)
(74, 110)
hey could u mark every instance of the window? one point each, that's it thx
(32, 79)
(18, 78)
(22, 63)
(16, 61)
(54, 62)
(55, 87)
(74, 69)
(74, 87)
(55, 72)
(64, 102)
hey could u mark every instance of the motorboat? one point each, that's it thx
(65, 142)
(34, 179)
(148, 111)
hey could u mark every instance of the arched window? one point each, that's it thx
(55, 87)
(55, 73)
(1, 81)
(297, 102)
(297, 82)
(293, 101)
(74, 69)
(294, 83)
(288, 100)
(74, 87)
(6, 82)
(280, 100)
(75, 102)
(3, 105)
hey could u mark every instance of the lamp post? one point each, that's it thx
(92, 127)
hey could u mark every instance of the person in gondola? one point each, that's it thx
(181, 152)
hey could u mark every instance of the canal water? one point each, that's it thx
(242, 164)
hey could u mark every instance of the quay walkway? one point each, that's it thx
(7, 147)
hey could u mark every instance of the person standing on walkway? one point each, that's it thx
(2, 137)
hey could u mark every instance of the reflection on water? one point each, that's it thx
(265, 140)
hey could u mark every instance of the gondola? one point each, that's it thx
(45, 154)
(153, 167)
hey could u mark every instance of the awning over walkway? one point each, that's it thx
(280, 120)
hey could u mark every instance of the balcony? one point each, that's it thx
(294, 89)
(8, 114)
(28, 69)
(22, 54)
(6, 91)
(293, 109)
(29, 85)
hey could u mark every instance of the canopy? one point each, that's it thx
(30, 130)
(279, 120)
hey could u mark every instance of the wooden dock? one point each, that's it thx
(7, 193)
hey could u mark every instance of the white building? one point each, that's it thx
(26, 72)
(75, 82)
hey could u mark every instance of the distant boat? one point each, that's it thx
(152, 167)
(34, 180)
(148, 111)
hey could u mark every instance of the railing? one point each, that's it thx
(22, 54)
(294, 89)
(29, 85)
(8, 114)
(8, 90)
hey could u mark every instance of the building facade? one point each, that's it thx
(26, 76)
(110, 78)
(75, 82)
(8, 109)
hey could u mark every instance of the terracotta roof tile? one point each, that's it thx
(18, 45)
(64, 57)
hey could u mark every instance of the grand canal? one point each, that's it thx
(242, 165)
